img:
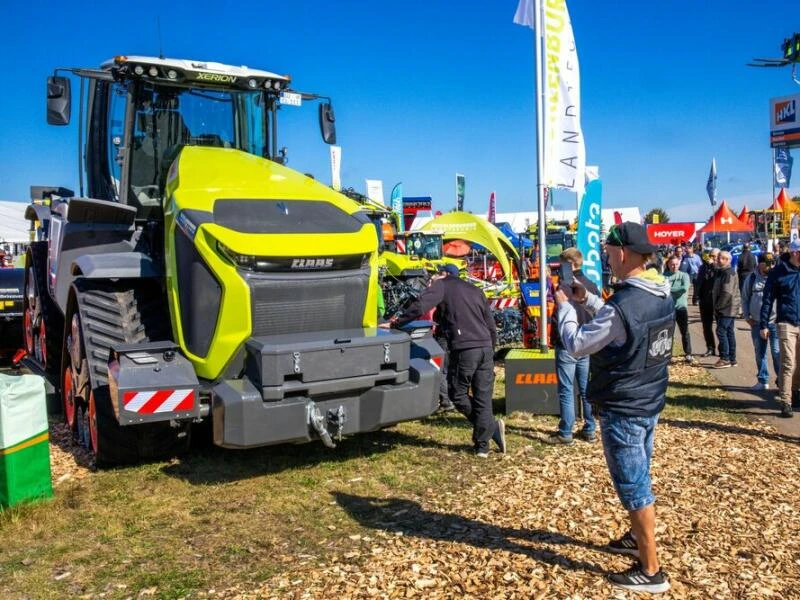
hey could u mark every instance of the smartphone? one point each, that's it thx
(565, 274)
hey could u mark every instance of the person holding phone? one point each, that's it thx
(571, 370)
(629, 340)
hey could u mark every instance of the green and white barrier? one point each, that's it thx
(24, 440)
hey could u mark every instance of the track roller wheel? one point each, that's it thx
(68, 400)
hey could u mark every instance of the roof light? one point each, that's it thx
(153, 72)
(138, 69)
(252, 83)
(268, 84)
(172, 74)
(277, 85)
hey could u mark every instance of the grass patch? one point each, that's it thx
(218, 518)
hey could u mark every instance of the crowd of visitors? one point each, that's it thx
(762, 290)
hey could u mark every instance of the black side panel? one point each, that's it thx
(200, 295)
(285, 216)
(316, 302)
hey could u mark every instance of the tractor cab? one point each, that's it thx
(141, 112)
(424, 245)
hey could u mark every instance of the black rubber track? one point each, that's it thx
(53, 319)
(124, 312)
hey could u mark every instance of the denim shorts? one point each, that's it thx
(628, 446)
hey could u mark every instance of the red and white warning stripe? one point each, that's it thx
(502, 303)
(158, 401)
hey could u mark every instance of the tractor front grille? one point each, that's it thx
(306, 302)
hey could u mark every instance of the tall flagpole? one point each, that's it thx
(538, 36)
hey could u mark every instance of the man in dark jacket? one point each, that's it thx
(745, 266)
(630, 343)
(571, 370)
(726, 308)
(783, 288)
(471, 337)
(703, 294)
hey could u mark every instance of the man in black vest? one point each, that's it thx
(630, 343)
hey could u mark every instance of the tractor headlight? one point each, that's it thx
(242, 261)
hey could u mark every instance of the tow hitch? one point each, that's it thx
(335, 420)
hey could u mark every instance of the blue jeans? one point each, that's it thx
(628, 446)
(569, 370)
(760, 346)
(727, 338)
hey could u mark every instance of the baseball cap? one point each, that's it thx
(794, 246)
(449, 269)
(632, 236)
(767, 257)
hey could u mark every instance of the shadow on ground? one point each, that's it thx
(207, 464)
(408, 517)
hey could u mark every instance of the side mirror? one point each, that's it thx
(58, 100)
(327, 123)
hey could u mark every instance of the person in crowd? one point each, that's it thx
(726, 307)
(630, 343)
(471, 337)
(703, 296)
(679, 288)
(440, 335)
(745, 265)
(690, 264)
(782, 289)
(752, 297)
(571, 370)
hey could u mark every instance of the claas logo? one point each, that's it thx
(536, 379)
(785, 112)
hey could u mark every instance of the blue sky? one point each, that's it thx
(425, 89)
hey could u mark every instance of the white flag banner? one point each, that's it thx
(564, 150)
(336, 167)
(524, 14)
(592, 173)
(375, 190)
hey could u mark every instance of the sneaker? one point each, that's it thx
(733, 362)
(709, 352)
(636, 580)
(721, 364)
(690, 359)
(786, 411)
(482, 453)
(624, 545)
(499, 435)
(557, 439)
(760, 387)
(590, 437)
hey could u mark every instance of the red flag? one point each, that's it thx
(617, 217)
(492, 214)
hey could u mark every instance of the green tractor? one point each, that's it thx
(200, 279)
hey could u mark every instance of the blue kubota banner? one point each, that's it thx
(783, 167)
(589, 231)
(397, 206)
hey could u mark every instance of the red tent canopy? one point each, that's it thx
(743, 216)
(780, 201)
(723, 221)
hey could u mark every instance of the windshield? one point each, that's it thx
(169, 118)
(425, 246)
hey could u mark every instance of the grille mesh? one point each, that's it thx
(308, 302)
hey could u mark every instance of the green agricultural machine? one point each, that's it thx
(200, 279)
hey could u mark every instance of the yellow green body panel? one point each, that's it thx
(201, 176)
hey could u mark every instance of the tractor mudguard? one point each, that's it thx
(115, 265)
